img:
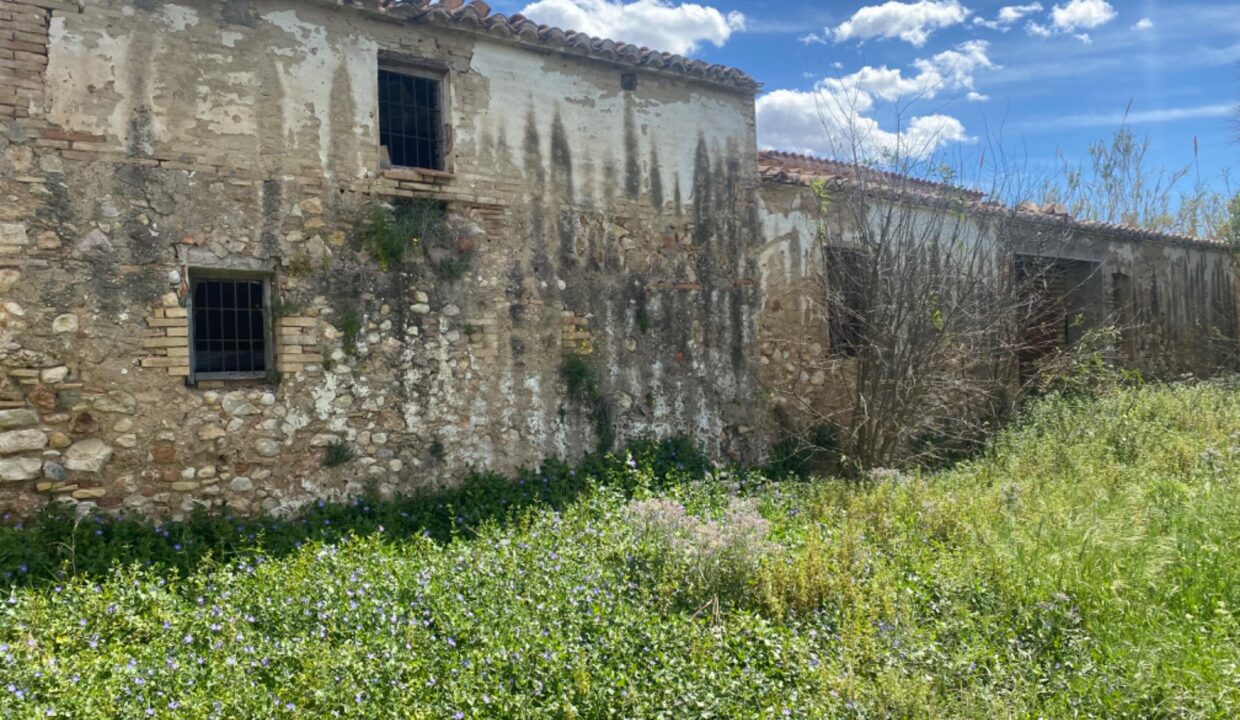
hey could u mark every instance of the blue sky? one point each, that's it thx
(956, 76)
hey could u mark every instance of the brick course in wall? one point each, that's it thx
(579, 218)
(166, 340)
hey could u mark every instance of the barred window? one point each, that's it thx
(229, 326)
(409, 119)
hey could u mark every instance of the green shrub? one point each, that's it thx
(1084, 565)
(337, 454)
(390, 234)
(796, 456)
(419, 226)
(578, 375)
(350, 326)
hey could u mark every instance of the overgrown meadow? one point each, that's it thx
(1087, 565)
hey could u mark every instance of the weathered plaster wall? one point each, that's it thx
(142, 141)
(147, 139)
(1178, 316)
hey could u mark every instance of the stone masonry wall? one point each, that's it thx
(145, 141)
(1177, 311)
(589, 228)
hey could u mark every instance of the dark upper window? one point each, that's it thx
(409, 119)
(229, 326)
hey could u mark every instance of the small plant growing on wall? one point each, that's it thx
(390, 235)
(285, 306)
(300, 264)
(350, 327)
(419, 227)
(337, 454)
(643, 319)
(578, 376)
(581, 386)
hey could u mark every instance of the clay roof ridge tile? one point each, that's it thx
(477, 13)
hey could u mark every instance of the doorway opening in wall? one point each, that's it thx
(1061, 300)
(1124, 315)
(846, 278)
(230, 325)
(410, 115)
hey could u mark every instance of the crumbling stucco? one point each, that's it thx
(621, 228)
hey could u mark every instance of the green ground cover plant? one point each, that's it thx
(1085, 565)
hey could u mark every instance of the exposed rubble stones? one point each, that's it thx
(53, 376)
(94, 240)
(67, 323)
(17, 418)
(13, 234)
(84, 424)
(19, 468)
(42, 397)
(116, 402)
(17, 441)
(207, 433)
(9, 278)
(88, 455)
(421, 382)
(238, 404)
(54, 471)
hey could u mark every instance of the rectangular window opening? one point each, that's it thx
(229, 329)
(1125, 316)
(1059, 304)
(410, 113)
(845, 308)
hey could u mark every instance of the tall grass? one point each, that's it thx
(1085, 566)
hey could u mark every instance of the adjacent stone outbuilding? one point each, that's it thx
(196, 307)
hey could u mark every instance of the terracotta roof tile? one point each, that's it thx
(782, 167)
(476, 16)
(774, 164)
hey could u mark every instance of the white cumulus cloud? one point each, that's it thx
(657, 24)
(1075, 17)
(913, 23)
(820, 122)
(1009, 16)
(836, 116)
(1082, 15)
(1038, 30)
(1143, 24)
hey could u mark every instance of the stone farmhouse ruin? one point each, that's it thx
(192, 309)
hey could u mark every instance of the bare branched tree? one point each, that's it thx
(935, 309)
(926, 311)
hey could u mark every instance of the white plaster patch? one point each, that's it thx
(83, 75)
(306, 79)
(593, 117)
(781, 227)
(228, 112)
(178, 17)
(324, 395)
(229, 38)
